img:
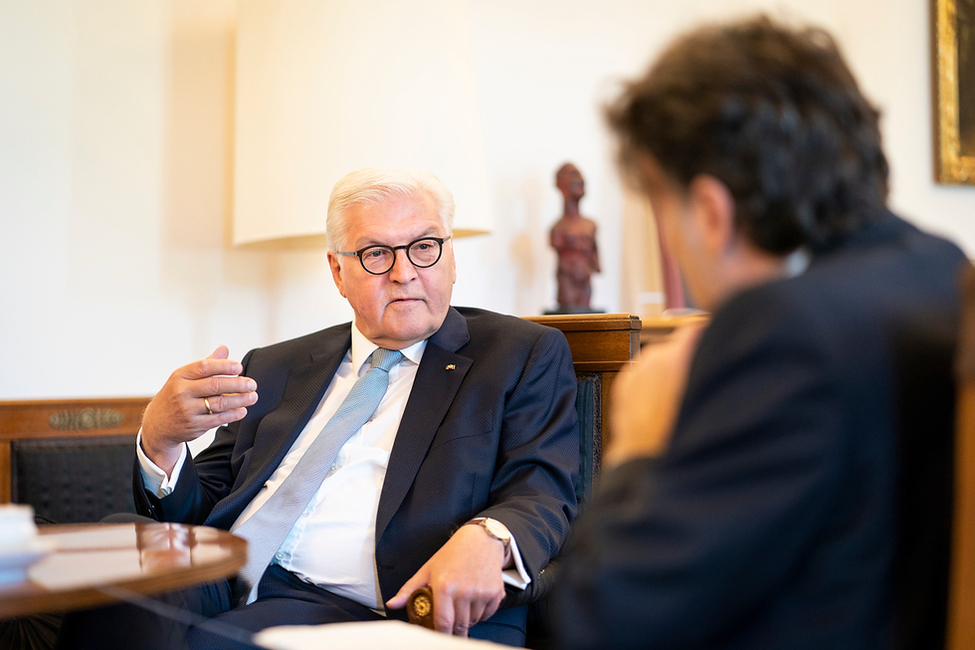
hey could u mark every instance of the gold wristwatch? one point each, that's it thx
(496, 530)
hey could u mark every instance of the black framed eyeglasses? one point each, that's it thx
(377, 260)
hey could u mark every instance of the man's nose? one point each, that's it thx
(403, 270)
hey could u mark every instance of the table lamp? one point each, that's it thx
(324, 87)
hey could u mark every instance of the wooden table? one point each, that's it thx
(91, 562)
(657, 328)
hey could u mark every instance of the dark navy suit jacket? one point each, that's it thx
(489, 430)
(805, 499)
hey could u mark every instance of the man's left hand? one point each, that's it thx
(465, 577)
(647, 397)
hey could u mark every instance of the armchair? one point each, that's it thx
(70, 459)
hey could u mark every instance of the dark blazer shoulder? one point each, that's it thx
(278, 359)
(303, 348)
(884, 272)
(488, 328)
(483, 318)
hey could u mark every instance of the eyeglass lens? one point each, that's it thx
(380, 259)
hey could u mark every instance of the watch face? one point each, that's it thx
(498, 530)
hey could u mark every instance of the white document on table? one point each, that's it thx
(367, 636)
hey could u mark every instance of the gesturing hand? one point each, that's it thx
(196, 398)
(465, 577)
(647, 396)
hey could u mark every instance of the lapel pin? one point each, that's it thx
(451, 366)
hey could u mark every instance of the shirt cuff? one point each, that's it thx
(515, 576)
(154, 479)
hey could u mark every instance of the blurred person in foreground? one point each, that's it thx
(780, 478)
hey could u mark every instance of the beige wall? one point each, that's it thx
(116, 139)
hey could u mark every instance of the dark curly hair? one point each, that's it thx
(772, 112)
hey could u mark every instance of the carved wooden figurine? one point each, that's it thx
(574, 239)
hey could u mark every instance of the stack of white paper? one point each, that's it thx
(364, 636)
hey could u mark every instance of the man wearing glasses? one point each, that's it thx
(461, 478)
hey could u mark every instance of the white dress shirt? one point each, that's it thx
(332, 545)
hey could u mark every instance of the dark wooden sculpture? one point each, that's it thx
(574, 239)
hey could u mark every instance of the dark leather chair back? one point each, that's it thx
(601, 345)
(69, 459)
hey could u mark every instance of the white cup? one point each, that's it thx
(17, 528)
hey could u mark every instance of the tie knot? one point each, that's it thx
(385, 359)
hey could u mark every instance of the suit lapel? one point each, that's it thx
(280, 428)
(438, 378)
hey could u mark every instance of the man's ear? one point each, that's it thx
(453, 263)
(336, 268)
(714, 208)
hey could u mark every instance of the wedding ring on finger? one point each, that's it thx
(206, 402)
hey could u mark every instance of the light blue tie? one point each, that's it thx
(267, 528)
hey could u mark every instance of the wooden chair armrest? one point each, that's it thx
(419, 607)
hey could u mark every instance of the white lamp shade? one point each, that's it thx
(324, 87)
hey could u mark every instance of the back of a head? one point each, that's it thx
(772, 112)
(373, 185)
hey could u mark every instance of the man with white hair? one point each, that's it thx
(461, 478)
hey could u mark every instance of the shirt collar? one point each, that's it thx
(363, 347)
(796, 262)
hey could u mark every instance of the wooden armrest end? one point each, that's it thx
(420, 607)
